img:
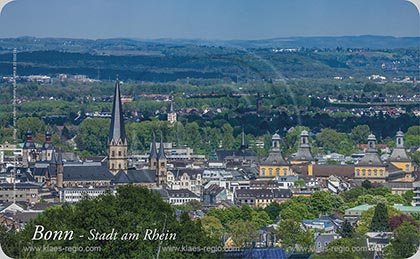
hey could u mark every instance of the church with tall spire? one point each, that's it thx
(117, 148)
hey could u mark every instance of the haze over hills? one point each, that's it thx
(87, 45)
(173, 59)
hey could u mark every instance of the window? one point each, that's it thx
(119, 153)
(364, 172)
(119, 166)
(358, 172)
(381, 172)
(369, 172)
(407, 167)
(112, 153)
(278, 171)
(112, 166)
(375, 172)
(263, 171)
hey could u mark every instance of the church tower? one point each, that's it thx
(161, 170)
(243, 143)
(153, 155)
(400, 159)
(274, 165)
(303, 154)
(172, 113)
(371, 167)
(117, 142)
(28, 150)
(60, 170)
(47, 149)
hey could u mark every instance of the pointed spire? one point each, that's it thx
(153, 152)
(52, 159)
(243, 145)
(161, 153)
(172, 105)
(117, 130)
(60, 157)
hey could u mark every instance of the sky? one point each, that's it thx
(208, 19)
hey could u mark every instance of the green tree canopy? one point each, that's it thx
(380, 220)
(131, 210)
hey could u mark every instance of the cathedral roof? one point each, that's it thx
(135, 176)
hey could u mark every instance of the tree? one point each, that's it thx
(192, 133)
(334, 141)
(405, 243)
(260, 218)
(212, 226)
(131, 210)
(408, 197)
(33, 123)
(346, 230)
(295, 211)
(320, 203)
(243, 233)
(93, 136)
(360, 133)
(380, 220)
(273, 210)
(293, 236)
(352, 194)
(299, 182)
(366, 184)
(228, 140)
(396, 221)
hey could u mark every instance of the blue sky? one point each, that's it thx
(207, 19)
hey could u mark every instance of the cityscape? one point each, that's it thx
(210, 147)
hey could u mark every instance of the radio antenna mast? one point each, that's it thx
(14, 124)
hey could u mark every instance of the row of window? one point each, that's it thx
(270, 171)
(119, 153)
(175, 201)
(369, 172)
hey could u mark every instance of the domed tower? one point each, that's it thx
(117, 142)
(274, 165)
(29, 150)
(371, 166)
(47, 149)
(400, 159)
(304, 154)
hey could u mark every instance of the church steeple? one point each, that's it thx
(117, 130)
(243, 144)
(153, 154)
(161, 154)
(171, 113)
(161, 169)
(117, 142)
